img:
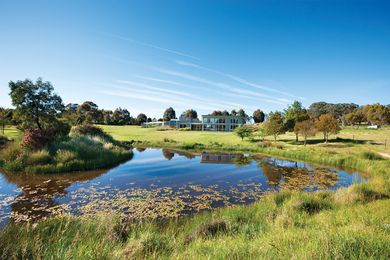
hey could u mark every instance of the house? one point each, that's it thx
(208, 123)
(221, 123)
(185, 122)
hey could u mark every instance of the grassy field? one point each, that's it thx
(12, 133)
(373, 139)
(350, 223)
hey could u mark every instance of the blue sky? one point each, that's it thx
(148, 55)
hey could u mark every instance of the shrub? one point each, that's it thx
(371, 156)
(167, 140)
(64, 156)
(35, 138)
(90, 130)
(3, 140)
(39, 157)
(312, 205)
(185, 129)
(11, 152)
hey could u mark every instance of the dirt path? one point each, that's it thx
(386, 155)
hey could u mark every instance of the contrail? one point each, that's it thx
(152, 46)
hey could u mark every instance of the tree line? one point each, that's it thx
(319, 117)
(37, 106)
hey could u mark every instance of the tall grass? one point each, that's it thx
(77, 153)
(282, 225)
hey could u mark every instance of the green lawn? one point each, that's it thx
(12, 133)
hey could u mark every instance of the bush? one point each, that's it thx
(11, 152)
(35, 138)
(3, 140)
(167, 140)
(39, 157)
(312, 205)
(90, 130)
(64, 156)
(371, 156)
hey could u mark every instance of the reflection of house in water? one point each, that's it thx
(210, 157)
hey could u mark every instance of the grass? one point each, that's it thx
(300, 226)
(350, 223)
(76, 153)
(12, 133)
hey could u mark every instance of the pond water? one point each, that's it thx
(161, 183)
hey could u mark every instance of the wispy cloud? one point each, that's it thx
(153, 46)
(223, 86)
(237, 79)
(146, 92)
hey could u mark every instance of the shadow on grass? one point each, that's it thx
(338, 140)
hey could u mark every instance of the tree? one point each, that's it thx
(258, 116)
(36, 104)
(89, 113)
(5, 117)
(233, 112)
(190, 113)
(377, 114)
(225, 113)
(141, 118)
(216, 113)
(262, 131)
(241, 113)
(305, 129)
(356, 117)
(69, 114)
(327, 124)
(121, 116)
(243, 131)
(108, 117)
(293, 114)
(169, 114)
(340, 110)
(274, 126)
(318, 108)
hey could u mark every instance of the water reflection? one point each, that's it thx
(296, 177)
(160, 183)
(38, 192)
(139, 149)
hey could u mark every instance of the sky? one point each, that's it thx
(207, 55)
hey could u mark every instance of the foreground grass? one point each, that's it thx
(341, 225)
